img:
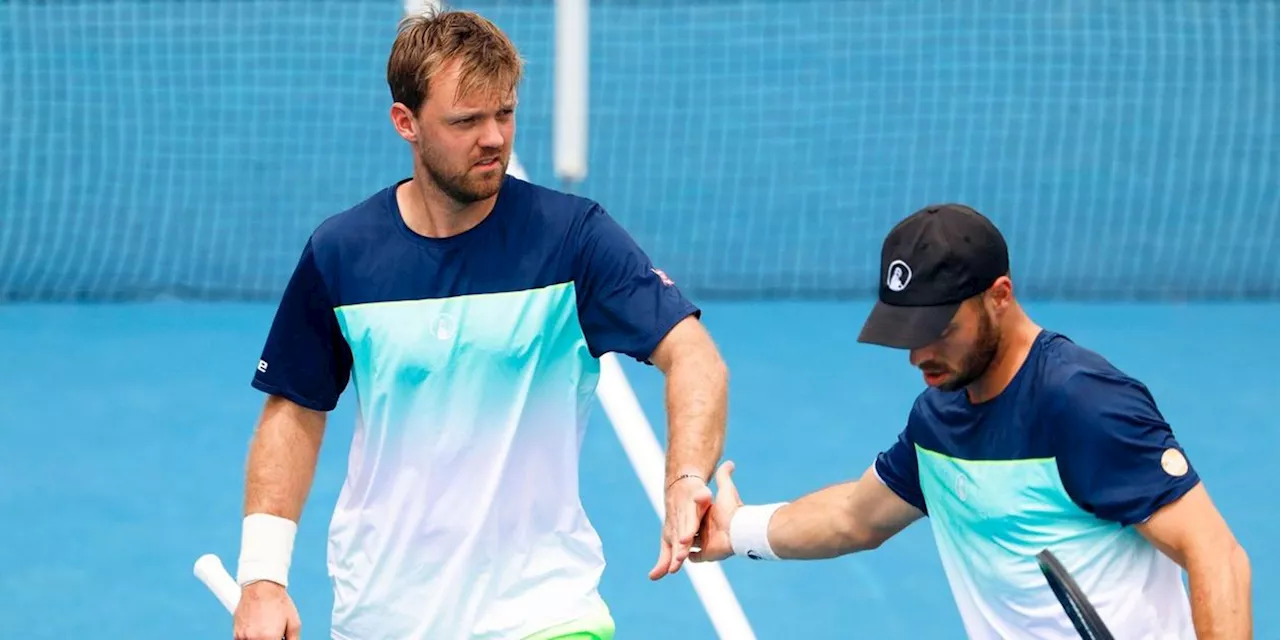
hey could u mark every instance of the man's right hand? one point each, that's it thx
(266, 612)
(713, 535)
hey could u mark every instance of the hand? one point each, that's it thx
(713, 537)
(266, 612)
(687, 502)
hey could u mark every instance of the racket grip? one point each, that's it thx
(209, 570)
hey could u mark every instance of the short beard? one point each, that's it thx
(462, 188)
(975, 365)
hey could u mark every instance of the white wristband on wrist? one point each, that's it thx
(266, 549)
(749, 531)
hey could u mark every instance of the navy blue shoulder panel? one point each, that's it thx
(534, 238)
(368, 254)
(1117, 455)
(1012, 426)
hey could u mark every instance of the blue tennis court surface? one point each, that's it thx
(126, 429)
(1128, 150)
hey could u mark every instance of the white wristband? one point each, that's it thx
(749, 531)
(266, 549)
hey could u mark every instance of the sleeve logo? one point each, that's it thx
(662, 276)
(1174, 463)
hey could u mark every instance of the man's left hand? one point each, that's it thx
(688, 500)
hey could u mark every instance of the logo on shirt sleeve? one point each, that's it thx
(1174, 463)
(662, 276)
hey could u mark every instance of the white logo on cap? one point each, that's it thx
(899, 275)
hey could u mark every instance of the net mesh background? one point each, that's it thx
(755, 149)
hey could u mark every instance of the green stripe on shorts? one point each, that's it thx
(597, 626)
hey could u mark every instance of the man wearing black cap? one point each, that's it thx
(1022, 441)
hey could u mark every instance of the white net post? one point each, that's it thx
(572, 56)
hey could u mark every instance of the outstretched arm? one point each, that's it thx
(838, 520)
(697, 397)
(697, 390)
(627, 305)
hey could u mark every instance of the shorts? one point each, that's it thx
(597, 626)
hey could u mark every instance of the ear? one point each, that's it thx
(404, 122)
(1000, 295)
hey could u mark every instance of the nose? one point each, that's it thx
(919, 355)
(491, 136)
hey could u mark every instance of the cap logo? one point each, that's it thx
(899, 276)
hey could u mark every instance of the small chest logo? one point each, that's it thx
(444, 327)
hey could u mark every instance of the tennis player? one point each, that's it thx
(1022, 441)
(469, 309)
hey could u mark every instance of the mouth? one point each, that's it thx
(934, 377)
(489, 163)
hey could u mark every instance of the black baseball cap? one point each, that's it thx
(930, 263)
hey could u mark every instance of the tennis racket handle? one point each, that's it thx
(210, 571)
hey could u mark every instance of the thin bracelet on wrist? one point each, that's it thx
(684, 477)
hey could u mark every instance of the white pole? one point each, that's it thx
(572, 35)
(412, 7)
